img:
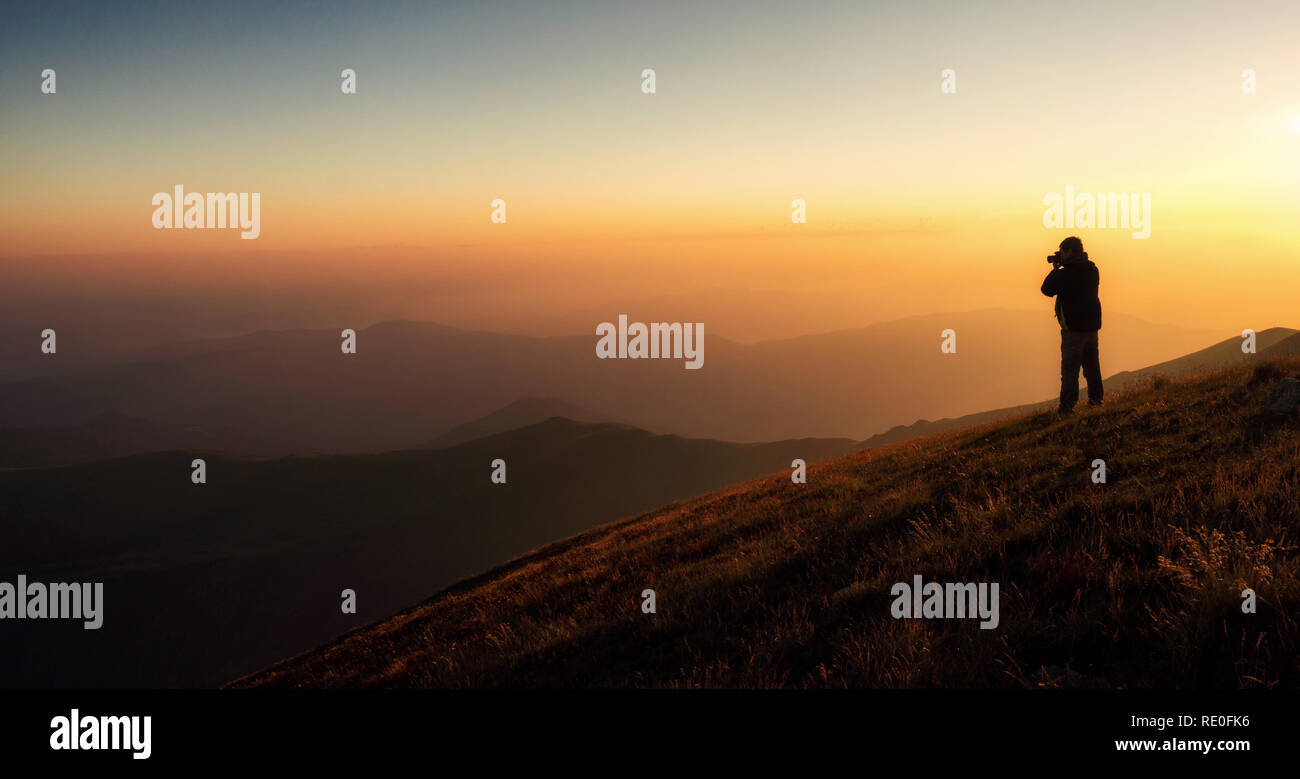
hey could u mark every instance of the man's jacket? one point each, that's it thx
(1075, 287)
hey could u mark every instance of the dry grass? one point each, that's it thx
(1135, 583)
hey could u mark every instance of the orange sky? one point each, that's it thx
(917, 200)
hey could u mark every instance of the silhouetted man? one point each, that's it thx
(1074, 281)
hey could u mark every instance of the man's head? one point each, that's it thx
(1071, 248)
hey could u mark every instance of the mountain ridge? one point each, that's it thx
(249, 566)
(772, 584)
(294, 392)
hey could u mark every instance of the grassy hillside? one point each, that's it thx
(205, 582)
(1275, 342)
(1134, 583)
(1272, 344)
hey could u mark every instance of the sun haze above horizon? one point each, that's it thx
(918, 198)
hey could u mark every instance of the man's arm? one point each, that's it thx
(1052, 284)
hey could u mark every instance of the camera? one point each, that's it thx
(1055, 258)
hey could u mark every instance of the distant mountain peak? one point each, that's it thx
(526, 411)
